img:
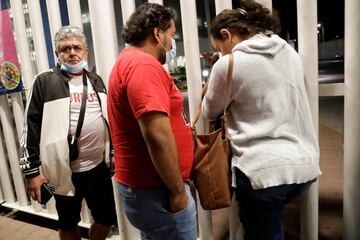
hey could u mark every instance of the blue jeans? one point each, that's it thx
(148, 210)
(261, 210)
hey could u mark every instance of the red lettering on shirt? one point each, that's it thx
(77, 97)
(93, 97)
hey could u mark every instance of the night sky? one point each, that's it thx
(330, 15)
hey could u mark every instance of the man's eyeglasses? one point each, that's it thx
(75, 30)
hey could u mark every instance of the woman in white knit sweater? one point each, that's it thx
(273, 139)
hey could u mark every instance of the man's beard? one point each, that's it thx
(162, 59)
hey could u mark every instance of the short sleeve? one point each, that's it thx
(148, 90)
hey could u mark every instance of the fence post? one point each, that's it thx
(308, 50)
(351, 122)
(38, 35)
(12, 150)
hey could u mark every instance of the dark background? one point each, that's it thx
(330, 15)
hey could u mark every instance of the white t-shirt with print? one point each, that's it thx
(91, 141)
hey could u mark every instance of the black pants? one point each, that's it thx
(96, 187)
(261, 210)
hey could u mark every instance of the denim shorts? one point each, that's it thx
(148, 210)
(95, 186)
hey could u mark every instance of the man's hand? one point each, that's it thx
(33, 186)
(178, 202)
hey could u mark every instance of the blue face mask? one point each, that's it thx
(171, 54)
(73, 69)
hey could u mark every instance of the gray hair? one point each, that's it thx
(69, 31)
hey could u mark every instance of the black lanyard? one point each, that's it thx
(82, 110)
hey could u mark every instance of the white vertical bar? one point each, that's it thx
(236, 230)
(222, 4)
(85, 214)
(50, 207)
(104, 36)
(126, 230)
(38, 35)
(18, 110)
(22, 42)
(234, 223)
(157, 1)
(5, 116)
(2, 198)
(308, 50)
(74, 11)
(193, 76)
(5, 175)
(53, 10)
(266, 3)
(127, 8)
(351, 123)
(192, 54)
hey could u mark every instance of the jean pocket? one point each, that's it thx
(126, 192)
(188, 210)
(186, 223)
(182, 211)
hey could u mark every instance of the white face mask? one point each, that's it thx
(168, 54)
(69, 68)
(171, 54)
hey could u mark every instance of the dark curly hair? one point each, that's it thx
(250, 18)
(143, 21)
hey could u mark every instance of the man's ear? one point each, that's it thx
(225, 33)
(56, 53)
(156, 32)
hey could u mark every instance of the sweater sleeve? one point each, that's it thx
(215, 98)
(30, 160)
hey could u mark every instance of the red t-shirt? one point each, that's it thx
(138, 84)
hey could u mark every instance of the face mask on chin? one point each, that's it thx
(76, 68)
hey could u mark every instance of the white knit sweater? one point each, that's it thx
(273, 138)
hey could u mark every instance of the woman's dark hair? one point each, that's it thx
(250, 18)
(143, 21)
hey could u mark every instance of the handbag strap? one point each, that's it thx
(82, 110)
(228, 89)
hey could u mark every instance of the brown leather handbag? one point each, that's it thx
(211, 172)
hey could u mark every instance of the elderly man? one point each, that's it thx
(65, 135)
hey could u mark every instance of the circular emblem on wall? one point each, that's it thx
(10, 75)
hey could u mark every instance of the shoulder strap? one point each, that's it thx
(82, 110)
(228, 89)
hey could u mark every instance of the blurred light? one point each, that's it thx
(319, 24)
(205, 73)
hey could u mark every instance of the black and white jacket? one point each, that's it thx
(47, 121)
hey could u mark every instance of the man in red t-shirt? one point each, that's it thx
(152, 142)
